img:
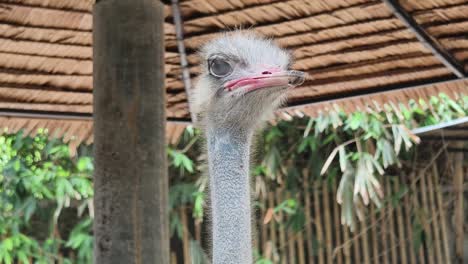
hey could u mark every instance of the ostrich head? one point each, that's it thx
(244, 78)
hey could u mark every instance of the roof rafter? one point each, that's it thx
(373, 91)
(444, 56)
(66, 115)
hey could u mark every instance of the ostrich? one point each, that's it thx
(244, 78)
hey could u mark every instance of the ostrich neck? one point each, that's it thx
(228, 155)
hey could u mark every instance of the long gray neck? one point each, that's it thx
(228, 155)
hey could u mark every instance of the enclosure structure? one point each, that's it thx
(353, 50)
(356, 52)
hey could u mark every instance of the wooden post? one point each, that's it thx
(318, 222)
(459, 210)
(391, 227)
(426, 222)
(328, 223)
(435, 219)
(308, 217)
(185, 235)
(337, 226)
(130, 179)
(408, 207)
(440, 205)
(400, 226)
(282, 236)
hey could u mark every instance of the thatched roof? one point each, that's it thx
(353, 50)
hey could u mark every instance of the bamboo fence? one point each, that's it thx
(413, 226)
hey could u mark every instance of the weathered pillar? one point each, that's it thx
(130, 179)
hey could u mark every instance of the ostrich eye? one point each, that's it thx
(219, 67)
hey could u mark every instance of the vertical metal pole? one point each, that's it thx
(182, 54)
(130, 179)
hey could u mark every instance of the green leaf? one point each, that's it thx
(29, 208)
(329, 161)
(176, 226)
(198, 205)
(187, 163)
(343, 158)
(328, 139)
(398, 139)
(7, 258)
(355, 120)
(17, 165)
(304, 144)
(21, 255)
(308, 127)
(84, 164)
(7, 244)
(296, 221)
(456, 107)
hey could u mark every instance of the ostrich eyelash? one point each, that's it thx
(227, 57)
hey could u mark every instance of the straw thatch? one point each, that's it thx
(348, 47)
(74, 132)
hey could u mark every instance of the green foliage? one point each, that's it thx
(38, 180)
(263, 260)
(81, 240)
(197, 254)
(362, 145)
(46, 198)
(259, 259)
(187, 188)
(180, 160)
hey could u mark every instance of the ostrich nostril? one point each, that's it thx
(266, 72)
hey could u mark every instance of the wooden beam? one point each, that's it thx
(66, 115)
(429, 42)
(76, 8)
(130, 178)
(464, 150)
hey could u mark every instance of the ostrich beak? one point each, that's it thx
(268, 79)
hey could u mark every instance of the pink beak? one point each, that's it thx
(287, 79)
